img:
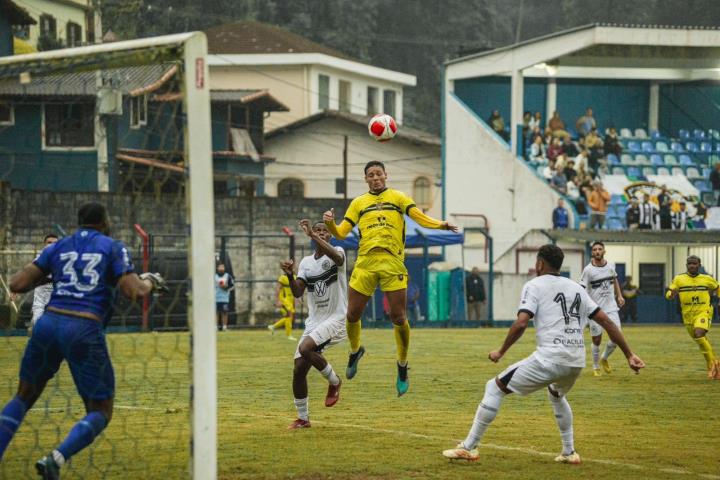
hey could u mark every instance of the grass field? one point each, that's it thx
(664, 423)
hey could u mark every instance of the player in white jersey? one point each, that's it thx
(41, 294)
(600, 280)
(560, 309)
(323, 274)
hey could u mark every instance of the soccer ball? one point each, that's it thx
(222, 283)
(382, 127)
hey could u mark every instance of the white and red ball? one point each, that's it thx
(382, 127)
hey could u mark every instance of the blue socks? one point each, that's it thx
(82, 434)
(10, 419)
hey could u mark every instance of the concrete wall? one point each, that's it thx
(313, 153)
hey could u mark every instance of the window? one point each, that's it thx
(291, 187)
(389, 102)
(421, 192)
(345, 96)
(323, 92)
(73, 33)
(372, 100)
(70, 125)
(138, 111)
(652, 278)
(48, 26)
(7, 114)
(21, 31)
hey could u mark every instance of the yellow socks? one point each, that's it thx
(706, 350)
(402, 340)
(353, 332)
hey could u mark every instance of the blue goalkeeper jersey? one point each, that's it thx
(85, 268)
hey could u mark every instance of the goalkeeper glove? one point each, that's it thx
(158, 282)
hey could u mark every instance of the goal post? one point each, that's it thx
(189, 52)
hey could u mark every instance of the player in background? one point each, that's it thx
(379, 216)
(286, 306)
(41, 294)
(600, 280)
(560, 309)
(224, 283)
(323, 275)
(85, 267)
(695, 289)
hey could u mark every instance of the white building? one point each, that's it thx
(60, 23)
(309, 155)
(304, 75)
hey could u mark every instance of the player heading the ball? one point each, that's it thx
(379, 216)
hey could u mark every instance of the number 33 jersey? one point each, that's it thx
(560, 309)
(85, 268)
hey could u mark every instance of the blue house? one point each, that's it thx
(122, 130)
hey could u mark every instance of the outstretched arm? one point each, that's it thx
(516, 331)
(338, 231)
(617, 337)
(429, 222)
(323, 246)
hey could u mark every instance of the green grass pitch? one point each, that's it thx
(663, 423)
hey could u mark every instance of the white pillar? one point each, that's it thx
(550, 98)
(516, 109)
(654, 107)
(101, 144)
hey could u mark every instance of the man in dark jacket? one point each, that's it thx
(632, 215)
(715, 182)
(475, 291)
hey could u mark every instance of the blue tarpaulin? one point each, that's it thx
(415, 236)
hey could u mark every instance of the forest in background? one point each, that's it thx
(411, 36)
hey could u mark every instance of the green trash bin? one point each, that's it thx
(438, 296)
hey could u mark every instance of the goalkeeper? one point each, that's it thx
(86, 268)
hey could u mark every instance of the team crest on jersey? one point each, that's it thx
(326, 264)
(320, 288)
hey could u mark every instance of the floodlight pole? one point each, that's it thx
(201, 223)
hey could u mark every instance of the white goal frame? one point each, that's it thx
(191, 48)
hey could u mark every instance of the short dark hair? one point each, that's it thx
(92, 214)
(374, 163)
(50, 235)
(597, 242)
(552, 254)
(319, 222)
(693, 257)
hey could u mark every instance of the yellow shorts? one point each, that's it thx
(381, 268)
(698, 321)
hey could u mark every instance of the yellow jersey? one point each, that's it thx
(285, 295)
(694, 293)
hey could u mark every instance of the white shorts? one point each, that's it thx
(529, 375)
(325, 335)
(596, 330)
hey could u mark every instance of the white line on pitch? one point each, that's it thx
(528, 451)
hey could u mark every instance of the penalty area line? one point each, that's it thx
(528, 451)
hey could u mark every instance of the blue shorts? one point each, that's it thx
(81, 342)
(222, 307)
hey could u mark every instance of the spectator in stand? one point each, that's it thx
(582, 162)
(569, 170)
(554, 149)
(475, 291)
(598, 201)
(665, 211)
(679, 219)
(664, 196)
(612, 143)
(536, 121)
(527, 116)
(594, 145)
(497, 123)
(558, 181)
(715, 182)
(549, 171)
(560, 215)
(585, 123)
(648, 214)
(698, 221)
(574, 194)
(629, 293)
(569, 147)
(632, 214)
(557, 126)
(537, 149)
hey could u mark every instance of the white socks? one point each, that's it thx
(596, 356)
(330, 374)
(58, 457)
(302, 408)
(486, 412)
(564, 419)
(609, 348)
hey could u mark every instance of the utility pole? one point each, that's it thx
(345, 166)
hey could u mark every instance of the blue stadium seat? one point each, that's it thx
(691, 147)
(618, 171)
(698, 134)
(616, 199)
(684, 134)
(634, 172)
(616, 210)
(706, 147)
(661, 147)
(702, 185)
(677, 171)
(626, 159)
(670, 159)
(706, 172)
(676, 147)
(613, 159)
(640, 133)
(615, 224)
(648, 171)
(625, 133)
(655, 134)
(712, 133)
(634, 146)
(692, 173)
(686, 161)
(656, 160)
(663, 171)
(642, 160)
(648, 147)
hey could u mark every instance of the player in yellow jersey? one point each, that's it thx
(379, 216)
(695, 290)
(286, 304)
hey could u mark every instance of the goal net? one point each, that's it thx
(127, 125)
